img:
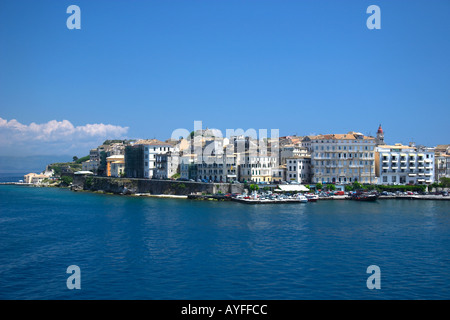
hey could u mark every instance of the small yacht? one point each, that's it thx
(302, 198)
(312, 197)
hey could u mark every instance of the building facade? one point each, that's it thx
(134, 161)
(442, 162)
(166, 165)
(257, 167)
(399, 164)
(343, 158)
(298, 169)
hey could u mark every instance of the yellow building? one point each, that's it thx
(116, 158)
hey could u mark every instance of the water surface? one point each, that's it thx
(148, 248)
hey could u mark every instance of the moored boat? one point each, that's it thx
(365, 196)
(312, 197)
(302, 198)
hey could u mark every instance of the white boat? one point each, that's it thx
(302, 198)
(312, 197)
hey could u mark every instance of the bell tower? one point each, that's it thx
(380, 136)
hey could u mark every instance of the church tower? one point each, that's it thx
(380, 136)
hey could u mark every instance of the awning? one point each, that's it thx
(291, 188)
(420, 154)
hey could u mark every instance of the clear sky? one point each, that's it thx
(140, 69)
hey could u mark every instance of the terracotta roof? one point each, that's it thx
(345, 136)
(153, 142)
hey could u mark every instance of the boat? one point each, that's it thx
(312, 197)
(365, 196)
(302, 198)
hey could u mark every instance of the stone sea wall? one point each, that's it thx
(163, 187)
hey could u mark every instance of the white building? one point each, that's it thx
(257, 167)
(152, 148)
(298, 169)
(442, 162)
(166, 165)
(90, 165)
(218, 168)
(343, 158)
(399, 164)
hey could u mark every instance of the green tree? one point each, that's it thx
(254, 187)
(175, 175)
(319, 186)
(66, 180)
(445, 182)
(331, 187)
(83, 159)
(348, 188)
(357, 185)
(75, 158)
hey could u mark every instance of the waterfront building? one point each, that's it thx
(256, 167)
(343, 158)
(166, 165)
(298, 169)
(90, 165)
(218, 168)
(34, 178)
(279, 174)
(151, 149)
(442, 161)
(117, 159)
(134, 161)
(400, 164)
(116, 165)
(188, 166)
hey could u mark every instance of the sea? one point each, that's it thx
(140, 248)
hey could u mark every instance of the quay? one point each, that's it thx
(256, 201)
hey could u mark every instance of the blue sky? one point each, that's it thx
(140, 69)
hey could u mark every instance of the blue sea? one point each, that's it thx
(149, 248)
